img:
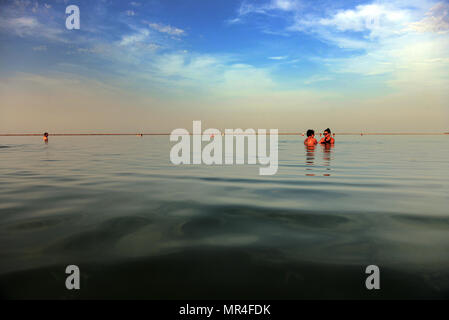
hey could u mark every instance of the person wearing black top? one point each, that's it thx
(327, 137)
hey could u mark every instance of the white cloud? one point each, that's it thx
(436, 20)
(353, 28)
(219, 75)
(27, 26)
(139, 36)
(187, 66)
(166, 29)
(278, 58)
(22, 19)
(370, 21)
(406, 41)
(233, 21)
(378, 20)
(21, 26)
(265, 8)
(286, 5)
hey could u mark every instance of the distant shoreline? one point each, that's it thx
(280, 133)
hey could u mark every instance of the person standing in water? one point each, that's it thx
(327, 138)
(45, 137)
(310, 141)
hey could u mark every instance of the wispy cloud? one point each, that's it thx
(21, 26)
(404, 43)
(131, 39)
(373, 18)
(266, 7)
(166, 29)
(28, 26)
(233, 21)
(216, 74)
(278, 58)
(356, 28)
(436, 20)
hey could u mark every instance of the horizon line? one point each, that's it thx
(167, 134)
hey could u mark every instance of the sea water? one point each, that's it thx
(138, 226)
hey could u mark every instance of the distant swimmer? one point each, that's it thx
(327, 137)
(310, 141)
(45, 137)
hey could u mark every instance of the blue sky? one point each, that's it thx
(287, 64)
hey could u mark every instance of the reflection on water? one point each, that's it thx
(327, 155)
(310, 159)
(139, 227)
(311, 167)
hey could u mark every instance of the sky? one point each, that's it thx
(157, 65)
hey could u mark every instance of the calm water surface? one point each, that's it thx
(140, 227)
